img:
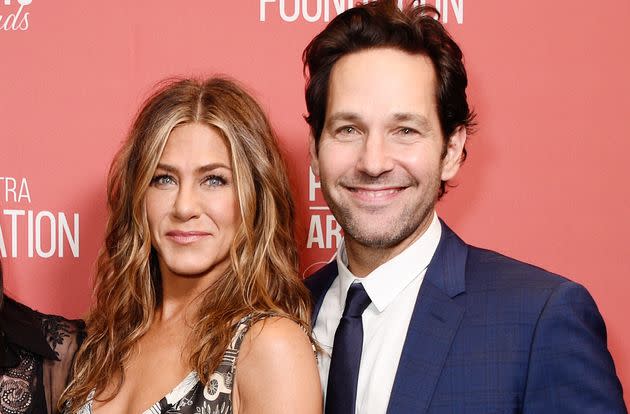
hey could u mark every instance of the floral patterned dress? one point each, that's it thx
(190, 396)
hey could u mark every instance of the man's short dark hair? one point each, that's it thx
(381, 24)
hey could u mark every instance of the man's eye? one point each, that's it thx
(347, 130)
(407, 131)
(161, 180)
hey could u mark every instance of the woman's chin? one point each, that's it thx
(194, 269)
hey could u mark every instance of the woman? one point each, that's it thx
(198, 305)
(36, 352)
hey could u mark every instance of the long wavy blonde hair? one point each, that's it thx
(263, 272)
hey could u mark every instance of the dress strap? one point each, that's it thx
(221, 382)
(243, 327)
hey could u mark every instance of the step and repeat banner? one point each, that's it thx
(545, 181)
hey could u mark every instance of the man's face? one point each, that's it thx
(380, 153)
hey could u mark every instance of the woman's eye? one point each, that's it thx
(215, 181)
(162, 180)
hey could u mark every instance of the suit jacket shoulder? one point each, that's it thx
(539, 333)
(487, 267)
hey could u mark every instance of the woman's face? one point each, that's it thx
(191, 204)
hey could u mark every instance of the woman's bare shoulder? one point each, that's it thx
(276, 334)
(277, 370)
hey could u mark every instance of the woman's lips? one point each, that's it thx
(186, 237)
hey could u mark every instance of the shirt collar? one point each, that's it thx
(385, 282)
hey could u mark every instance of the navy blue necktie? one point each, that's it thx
(341, 394)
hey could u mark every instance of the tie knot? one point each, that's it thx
(356, 301)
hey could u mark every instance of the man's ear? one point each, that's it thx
(312, 150)
(454, 151)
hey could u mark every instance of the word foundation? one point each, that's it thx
(324, 10)
(47, 234)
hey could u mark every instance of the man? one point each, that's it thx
(412, 319)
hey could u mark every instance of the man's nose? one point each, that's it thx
(375, 158)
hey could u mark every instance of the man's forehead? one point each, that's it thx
(383, 82)
(384, 62)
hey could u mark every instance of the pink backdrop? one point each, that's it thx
(545, 182)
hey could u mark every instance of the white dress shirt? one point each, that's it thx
(393, 288)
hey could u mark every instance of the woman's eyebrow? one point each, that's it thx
(212, 166)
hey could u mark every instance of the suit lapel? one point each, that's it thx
(319, 283)
(434, 322)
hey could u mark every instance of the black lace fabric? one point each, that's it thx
(36, 353)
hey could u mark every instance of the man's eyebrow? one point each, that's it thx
(344, 116)
(420, 120)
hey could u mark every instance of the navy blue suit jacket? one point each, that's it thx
(492, 335)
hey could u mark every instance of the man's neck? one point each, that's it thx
(363, 259)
